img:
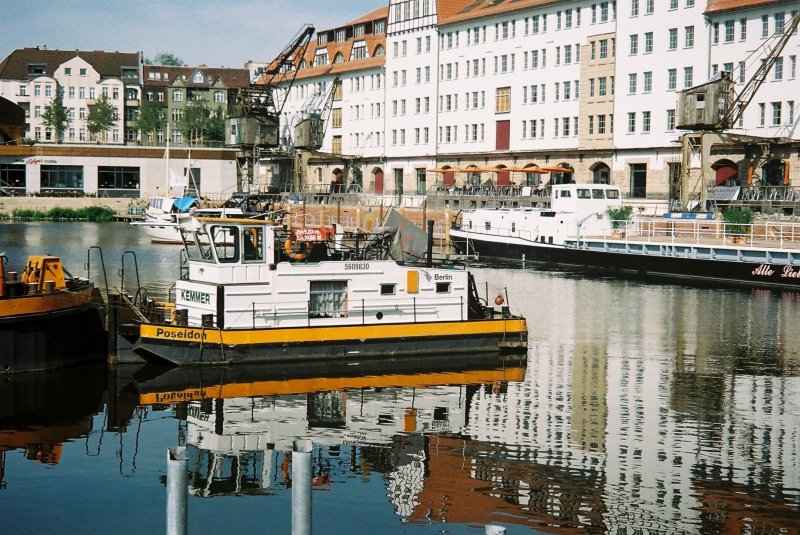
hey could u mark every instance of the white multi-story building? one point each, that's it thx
(477, 89)
(34, 77)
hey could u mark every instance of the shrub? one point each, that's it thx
(737, 220)
(619, 216)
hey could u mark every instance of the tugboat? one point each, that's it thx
(48, 318)
(254, 291)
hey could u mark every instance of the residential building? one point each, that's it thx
(34, 77)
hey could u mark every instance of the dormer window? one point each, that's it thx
(359, 50)
(358, 31)
(341, 35)
(198, 78)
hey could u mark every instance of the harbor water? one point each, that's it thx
(639, 407)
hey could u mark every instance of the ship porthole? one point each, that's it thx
(379, 315)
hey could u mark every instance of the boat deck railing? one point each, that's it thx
(762, 234)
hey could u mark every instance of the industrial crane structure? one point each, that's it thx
(710, 110)
(256, 126)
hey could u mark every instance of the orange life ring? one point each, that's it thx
(499, 300)
(297, 250)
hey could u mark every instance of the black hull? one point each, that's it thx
(191, 353)
(652, 267)
(53, 340)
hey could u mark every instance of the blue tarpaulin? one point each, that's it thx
(184, 204)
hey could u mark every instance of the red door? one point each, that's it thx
(379, 182)
(503, 135)
(503, 178)
(449, 178)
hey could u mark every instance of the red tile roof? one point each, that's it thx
(719, 6)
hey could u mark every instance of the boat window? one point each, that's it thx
(198, 245)
(597, 194)
(584, 193)
(513, 226)
(226, 243)
(565, 193)
(442, 287)
(328, 299)
(253, 244)
(388, 289)
(612, 193)
(487, 225)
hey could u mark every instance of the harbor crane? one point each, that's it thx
(711, 109)
(256, 124)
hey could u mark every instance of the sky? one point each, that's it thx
(217, 33)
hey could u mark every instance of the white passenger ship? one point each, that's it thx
(577, 231)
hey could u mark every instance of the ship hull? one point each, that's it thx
(722, 266)
(198, 346)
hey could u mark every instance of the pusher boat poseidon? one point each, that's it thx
(254, 291)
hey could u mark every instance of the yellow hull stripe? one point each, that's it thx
(329, 384)
(212, 335)
(42, 303)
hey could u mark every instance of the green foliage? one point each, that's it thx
(619, 216)
(216, 126)
(195, 121)
(56, 116)
(150, 119)
(165, 58)
(737, 220)
(91, 213)
(102, 116)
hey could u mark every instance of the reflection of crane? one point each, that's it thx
(257, 123)
(712, 108)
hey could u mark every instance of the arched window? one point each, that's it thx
(338, 58)
(379, 51)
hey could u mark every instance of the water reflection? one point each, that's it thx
(639, 407)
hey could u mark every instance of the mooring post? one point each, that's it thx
(301, 487)
(177, 491)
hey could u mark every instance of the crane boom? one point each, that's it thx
(745, 96)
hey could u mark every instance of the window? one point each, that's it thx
(761, 113)
(649, 7)
(742, 29)
(601, 124)
(673, 39)
(688, 39)
(688, 76)
(648, 82)
(601, 86)
(603, 48)
(336, 145)
(673, 4)
(645, 121)
(777, 68)
(648, 42)
(118, 177)
(634, 49)
(177, 95)
(62, 176)
(634, 8)
(503, 100)
(670, 120)
(336, 117)
(764, 25)
(327, 299)
(776, 114)
(672, 79)
(632, 83)
(729, 31)
(631, 122)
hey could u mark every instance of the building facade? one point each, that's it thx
(476, 90)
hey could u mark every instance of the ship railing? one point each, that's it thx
(771, 234)
(354, 311)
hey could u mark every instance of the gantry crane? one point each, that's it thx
(710, 109)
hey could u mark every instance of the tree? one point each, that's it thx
(102, 116)
(165, 58)
(216, 125)
(56, 116)
(194, 121)
(150, 119)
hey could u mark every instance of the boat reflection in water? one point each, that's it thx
(34, 417)
(240, 422)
